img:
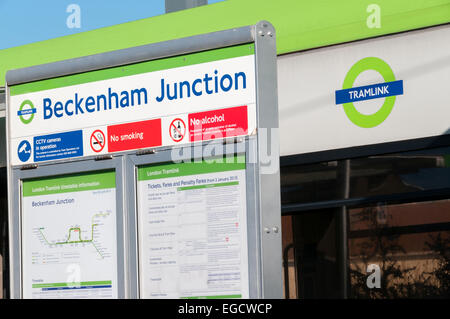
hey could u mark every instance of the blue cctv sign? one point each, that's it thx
(58, 146)
(24, 151)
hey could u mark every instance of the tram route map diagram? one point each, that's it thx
(77, 236)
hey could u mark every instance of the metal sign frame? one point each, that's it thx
(263, 189)
(56, 170)
(245, 146)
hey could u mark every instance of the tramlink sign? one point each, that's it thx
(370, 92)
(388, 89)
(26, 115)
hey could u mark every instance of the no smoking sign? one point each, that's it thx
(177, 130)
(98, 141)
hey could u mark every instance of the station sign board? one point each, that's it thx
(172, 101)
(140, 223)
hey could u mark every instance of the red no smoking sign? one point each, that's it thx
(177, 129)
(98, 141)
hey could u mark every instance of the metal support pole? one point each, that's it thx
(177, 5)
(341, 224)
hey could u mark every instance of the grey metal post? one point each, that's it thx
(177, 5)
(269, 178)
(342, 230)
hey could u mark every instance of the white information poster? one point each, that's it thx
(192, 230)
(69, 236)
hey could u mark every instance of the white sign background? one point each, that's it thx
(310, 120)
(152, 82)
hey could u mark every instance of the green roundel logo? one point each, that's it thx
(26, 112)
(388, 90)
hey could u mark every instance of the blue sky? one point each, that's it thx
(27, 21)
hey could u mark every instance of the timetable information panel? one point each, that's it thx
(192, 230)
(69, 236)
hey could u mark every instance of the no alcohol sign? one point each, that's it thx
(177, 130)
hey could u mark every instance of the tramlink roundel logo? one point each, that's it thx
(26, 112)
(388, 90)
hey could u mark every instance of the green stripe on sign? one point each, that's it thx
(69, 183)
(187, 188)
(212, 165)
(133, 69)
(73, 284)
